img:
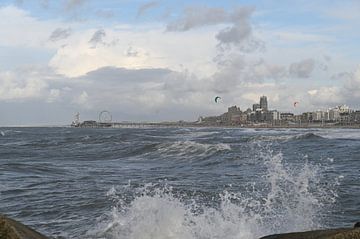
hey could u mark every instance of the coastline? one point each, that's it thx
(12, 229)
(203, 125)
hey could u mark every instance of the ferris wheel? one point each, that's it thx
(105, 117)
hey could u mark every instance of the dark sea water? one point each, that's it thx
(179, 183)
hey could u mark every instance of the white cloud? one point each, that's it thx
(21, 85)
(82, 100)
(136, 49)
(312, 92)
(54, 95)
(18, 28)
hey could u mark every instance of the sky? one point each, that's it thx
(168, 60)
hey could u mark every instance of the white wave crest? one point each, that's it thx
(287, 199)
(191, 147)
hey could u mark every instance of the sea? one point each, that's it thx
(179, 183)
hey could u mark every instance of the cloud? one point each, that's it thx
(24, 83)
(146, 6)
(302, 69)
(131, 52)
(142, 93)
(237, 33)
(97, 37)
(82, 100)
(136, 48)
(326, 97)
(54, 95)
(194, 17)
(347, 92)
(351, 87)
(240, 30)
(44, 3)
(239, 71)
(74, 4)
(19, 28)
(19, 2)
(60, 34)
(105, 13)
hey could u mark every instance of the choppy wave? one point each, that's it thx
(350, 134)
(269, 138)
(191, 147)
(308, 136)
(288, 199)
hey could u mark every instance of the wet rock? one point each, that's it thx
(11, 229)
(342, 233)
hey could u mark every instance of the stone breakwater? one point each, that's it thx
(342, 233)
(11, 229)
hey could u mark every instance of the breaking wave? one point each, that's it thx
(285, 199)
(308, 136)
(270, 138)
(182, 148)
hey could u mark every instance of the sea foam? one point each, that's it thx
(286, 199)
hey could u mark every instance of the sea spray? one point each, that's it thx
(285, 198)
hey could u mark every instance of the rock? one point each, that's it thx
(342, 233)
(11, 229)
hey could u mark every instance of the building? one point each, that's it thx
(263, 103)
(271, 116)
(255, 107)
(287, 116)
(234, 110)
(334, 115)
(317, 115)
(261, 115)
(355, 116)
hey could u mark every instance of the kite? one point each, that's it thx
(217, 98)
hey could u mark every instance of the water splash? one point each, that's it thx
(284, 199)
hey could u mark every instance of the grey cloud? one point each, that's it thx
(194, 17)
(238, 34)
(146, 6)
(19, 2)
(97, 37)
(144, 92)
(237, 72)
(343, 76)
(60, 34)
(241, 29)
(44, 3)
(123, 75)
(130, 94)
(73, 4)
(302, 69)
(327, 58)
(234, 34)
(351, 85)
(131, 52)
(105, 13)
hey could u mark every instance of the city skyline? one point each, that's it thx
(260, 115)
(167, 60)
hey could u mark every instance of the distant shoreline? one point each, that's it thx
(186, 125)
(94, 124)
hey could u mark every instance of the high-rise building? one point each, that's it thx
(255, 107)
(263, 103)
